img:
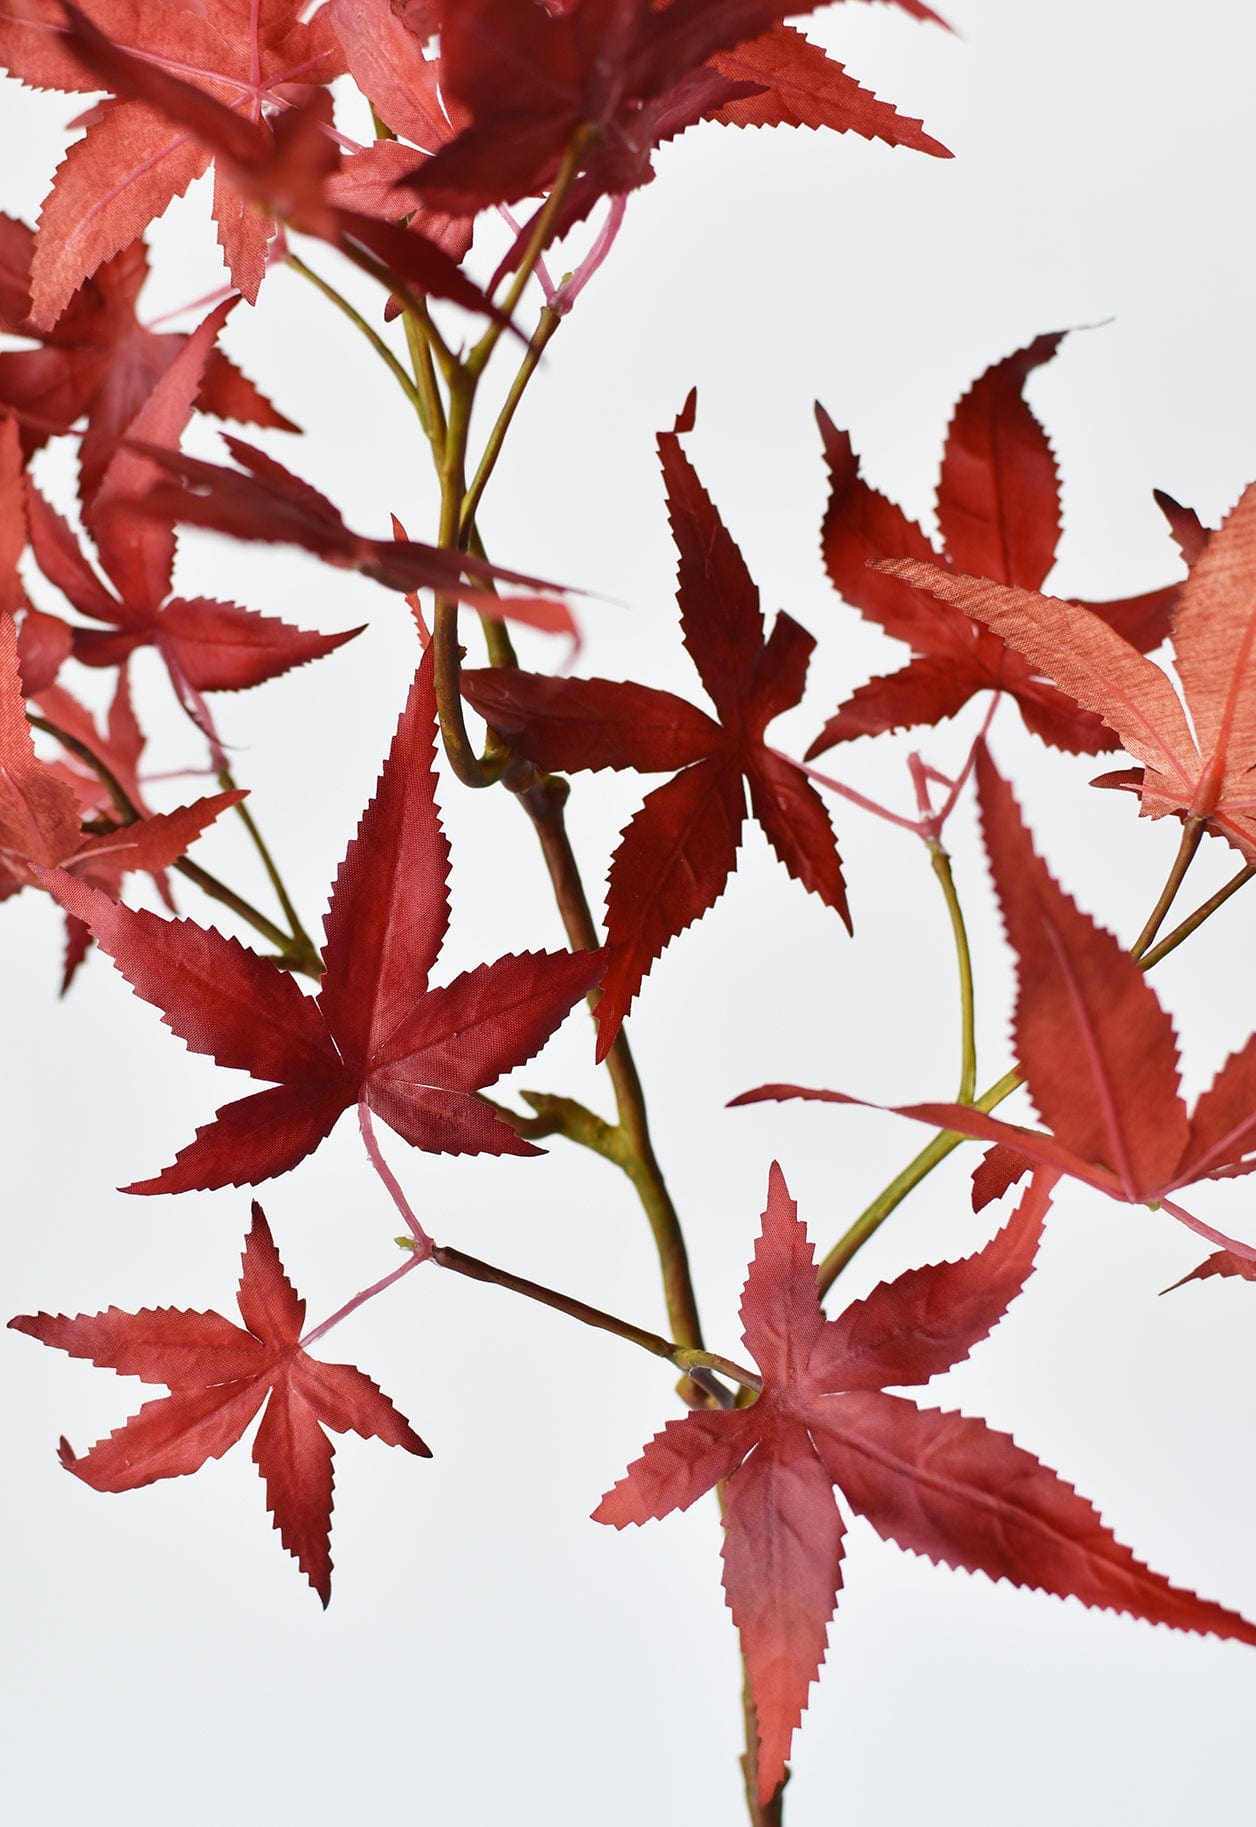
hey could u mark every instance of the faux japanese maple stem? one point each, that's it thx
(683, 1357)
(207, 883)
(941, 862)
(471, 769)
(547, 324)
(856, 798)
(300, 946)
(544, 803)
(874, 1216)
(946, 1141)
(1201, 913)
(478, 358)
(422, 1243)
(359, 322)
(1192, 833)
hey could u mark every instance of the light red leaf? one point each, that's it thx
(219, 1376)
(942, 1485)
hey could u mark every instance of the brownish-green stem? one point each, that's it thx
(302, 952)
(632, 1148)
(628, 1141)
(472, 770)
(1192, 832)
(478, 358)
(683, 1357)
(209, 884)
(889, 1198)
(355, 317)
(1196, 920)
(946, 1141)
(420, 334)
(968, 1044)
(546, 326)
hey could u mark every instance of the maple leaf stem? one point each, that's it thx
(471, 769)
(130, 814)
(1192, 833)
(683, 1357)
(1201, 913)
(546, 325)
(422, 1242)
(921, 827)
(946, 1141)
(355, 317)
(300, 947)
(359, 1300)
(762, 1814)
(478, 358)
(941, 862)
(890, 1197)
(431, 408)
(544, 803)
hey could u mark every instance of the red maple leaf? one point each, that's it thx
(1204, 768)
(99, 362)
(680, 848)
(375, 1033)
(998, 510)
(286, 169)
(207, 645)
(940, 1484)
(251, 59)
(386, 51)
(219, 1375)
(618, 77)
(40, 817)
(265, 501)
(1096, 1049)
(115, 751)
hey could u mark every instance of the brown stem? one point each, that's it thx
(685, 1359)
(1192, 832)
(544, 802)
(546, 326)
(1200, 914)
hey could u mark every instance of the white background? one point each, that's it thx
(489, 1653)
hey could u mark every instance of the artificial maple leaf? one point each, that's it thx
(1222, 1262)
(940, 1484)
(998, 510)
(99, 361)
(799, 85)
(615, 78)
(1204, 768)
(13, 529)
(680, 848)
(286, 170)
(40, 822)
(219, 1375)
(251, 58)
(1096, 1050)
(386, 54)
(110, 753)
(207, 645)
(375, 1034)
(264, 501)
